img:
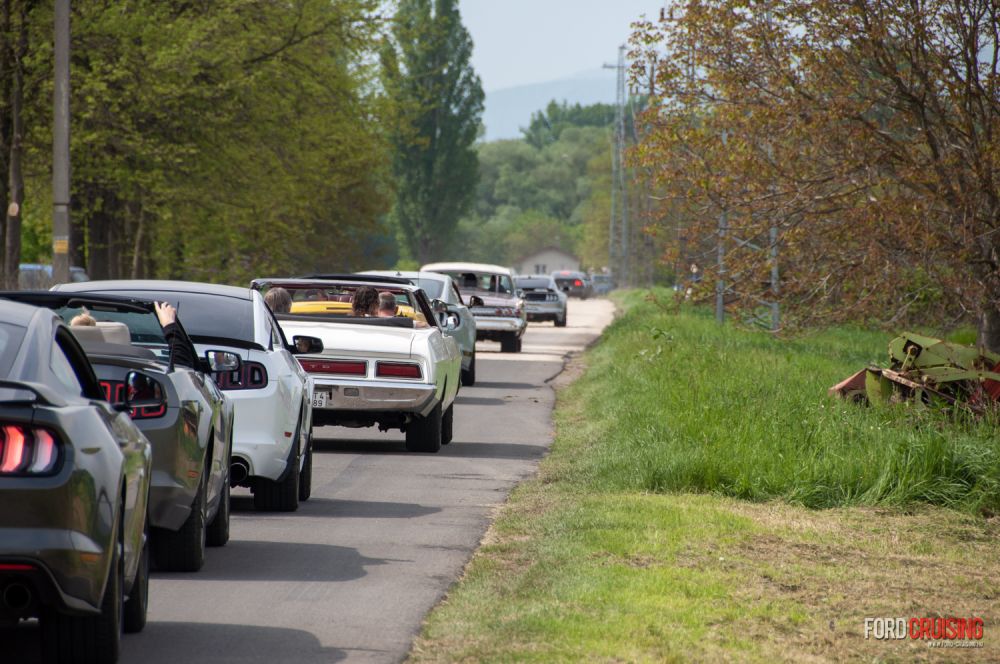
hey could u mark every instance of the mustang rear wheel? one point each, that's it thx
(424, 433)
(69, 639)
(283, 495)
(184, 550)
(561, 322)
(138, 596)
(218, 530)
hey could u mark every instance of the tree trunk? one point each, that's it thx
(989, 328)
(12, 247)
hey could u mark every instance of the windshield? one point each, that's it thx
(143, 328)
(484, 281)
(533, 283)
(433, 287)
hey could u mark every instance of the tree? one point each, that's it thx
(437, 100)
(866, 132)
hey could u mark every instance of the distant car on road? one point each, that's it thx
(543, 300)
(74, 482)
(602, 284)
(38, 276)
(270, 393)
(493, 298)
(574, 284)
(399, 372)
(456, 320)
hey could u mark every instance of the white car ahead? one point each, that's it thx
(271, 394)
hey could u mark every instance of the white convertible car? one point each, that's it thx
(399, 372)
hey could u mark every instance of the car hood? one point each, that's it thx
(354, 339)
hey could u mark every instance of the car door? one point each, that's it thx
(295, 384)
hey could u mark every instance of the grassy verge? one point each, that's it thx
(674, 519)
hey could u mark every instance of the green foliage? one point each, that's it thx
(218, 141)
(556, 194)
(690, 409)
(547, 126)
(437, 102)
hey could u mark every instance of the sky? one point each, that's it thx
(518, 42)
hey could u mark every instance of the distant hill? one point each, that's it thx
(509, 109)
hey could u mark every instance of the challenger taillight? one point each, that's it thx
(398, 370)
(114, 392)
(250, 376)
(26, 450)
(336, 367)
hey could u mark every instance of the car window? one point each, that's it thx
(206, 315)
(63, 370)
(11, 337)
(485, 281)
(433, 287)
(534, 283)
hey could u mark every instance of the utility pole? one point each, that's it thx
(60, 146)
(618, 234)
(720, 285)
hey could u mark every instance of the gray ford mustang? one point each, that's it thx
(74, 482)
(191, 431)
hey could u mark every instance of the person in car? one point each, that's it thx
(386, 305)
(365, 302)
(279, 300)
(180, 352)
(83, 319)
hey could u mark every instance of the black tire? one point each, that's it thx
(424, 433)
(218, 530)
(184, 550)
(509, 343)
(517, 345)
(96, 639)
(134, 613)
(469, 375)
(305, 479)
(283, 495)
(448, 425)
(561, 322)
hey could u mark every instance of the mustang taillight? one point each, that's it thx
(577, 282)
(398, 370)
(26, 450)
(251, 376)
(114, 392)
(339, 367)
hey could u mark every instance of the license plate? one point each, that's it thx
(321, 399)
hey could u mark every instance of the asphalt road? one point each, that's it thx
(351, 574)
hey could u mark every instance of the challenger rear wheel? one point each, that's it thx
(424, 433)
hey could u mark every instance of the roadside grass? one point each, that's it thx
(676, 517)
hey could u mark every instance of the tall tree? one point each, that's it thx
(437, 101)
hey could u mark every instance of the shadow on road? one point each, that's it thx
(255, 560)
(331, 507)
(472, 450)
(505, 386)
(480, 401)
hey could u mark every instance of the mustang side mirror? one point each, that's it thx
(303, 344)
(222, 360)
(475, 301)
(141, 391)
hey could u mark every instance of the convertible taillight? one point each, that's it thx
(114, 392)
(398, 370)
(26, 450)
(338, 367)
(250, 376)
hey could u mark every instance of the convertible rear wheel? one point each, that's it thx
(184, 550)
(424, 433)
(447, 424)
(96, 639)
(509, 343)
(469, 375)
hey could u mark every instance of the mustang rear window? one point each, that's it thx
(205, 315)
(10, 341)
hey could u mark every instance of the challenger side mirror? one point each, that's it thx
(302, 344)
(222, 361)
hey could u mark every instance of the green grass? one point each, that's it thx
(674, 519)
(676, 403)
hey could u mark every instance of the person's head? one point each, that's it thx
(83, 319)
(386, 304)
(365, 301)
(279, 300)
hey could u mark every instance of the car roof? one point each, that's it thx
(408, 274)
(48, 298)
(466, 267)
(165, 285)
(366, 277)
(348, 280)
(17, 313)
